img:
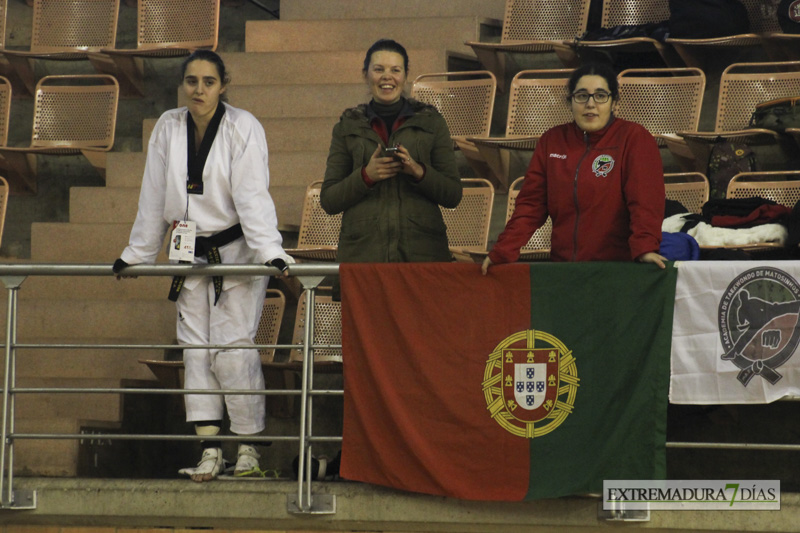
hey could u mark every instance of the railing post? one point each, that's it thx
(304, 502)
(10, 498)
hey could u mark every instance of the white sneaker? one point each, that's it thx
(247, 462)
(209, 467)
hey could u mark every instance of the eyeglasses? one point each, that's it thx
(599, 97)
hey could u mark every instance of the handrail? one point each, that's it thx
(309, 275)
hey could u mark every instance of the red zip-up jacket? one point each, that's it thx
(604, 191)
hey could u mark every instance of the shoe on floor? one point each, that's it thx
(247, 462)
(209, 467)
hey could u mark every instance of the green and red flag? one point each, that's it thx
(534, 381)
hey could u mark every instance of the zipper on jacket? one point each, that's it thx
(575, 198)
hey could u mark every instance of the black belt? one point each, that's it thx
(209, 247)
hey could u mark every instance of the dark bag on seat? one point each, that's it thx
(789, 16)
(705, 19)
(778, 114)
(726, 160)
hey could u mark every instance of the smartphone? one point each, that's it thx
(391, 151)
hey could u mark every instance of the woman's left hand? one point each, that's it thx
(652, 257)
(409, 165)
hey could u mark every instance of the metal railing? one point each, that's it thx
(310, 277)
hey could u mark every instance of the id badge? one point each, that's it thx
(181, 245)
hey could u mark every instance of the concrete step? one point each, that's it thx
(94, 288)
(90, 321)
(96, 406)
(124, 169)
(283, 134)
(435, 32)
(389, 9)
(50, 457)
(58, 242)
(118, 205)
(318, 67)
(86, 363)
(103, 204)
(304, 101)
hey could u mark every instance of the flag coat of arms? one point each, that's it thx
(534, 381)
(736, 332)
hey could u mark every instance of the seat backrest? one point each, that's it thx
(74, 25)
(782, 187)
(317, 228)
(3, 16)
(691, 189)
(537, 101)
(464, 99)
(188, 24)
(540, 240)
(77, 111)
(270, 325)
(544, 20)
(743, 85)
(5, 109)
(628, 12)
(665, 101)
(3, 205)
(762, 17)
(327, 328)
(468, 223)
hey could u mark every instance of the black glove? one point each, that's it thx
(278, 263)
(119, 264)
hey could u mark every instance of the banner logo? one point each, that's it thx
(530, 383)
(602, 165)
(758, 322)
(692, 495)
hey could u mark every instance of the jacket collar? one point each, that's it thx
(595, 135)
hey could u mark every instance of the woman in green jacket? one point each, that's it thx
(390, 199)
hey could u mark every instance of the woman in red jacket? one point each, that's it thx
(599, 178)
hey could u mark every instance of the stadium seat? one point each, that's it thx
(665, 101)
(3, 205)
(763, 23)
(468, 223)
(464, 99)
(742, 86)
(534, 26)
(691, 189)
(73, 114)
(165, 28)
(63, 30)
(538, 247)
(782, 187)
(170, 373)
(318, 238)
(537, 102)
(327, 331)
(629, 13)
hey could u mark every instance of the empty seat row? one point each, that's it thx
(73, 114)
(535, 26)
(87, 30)
(468, 224)
(667, 101)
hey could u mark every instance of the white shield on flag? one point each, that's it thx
(530, 384)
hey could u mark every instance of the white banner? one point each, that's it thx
(735, 332)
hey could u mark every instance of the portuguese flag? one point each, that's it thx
(535, 381)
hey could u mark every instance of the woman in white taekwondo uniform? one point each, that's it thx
(206, 180)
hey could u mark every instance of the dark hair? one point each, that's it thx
(594, 69)
(211, 57)
(386, 45)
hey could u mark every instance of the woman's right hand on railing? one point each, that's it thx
(118, 266)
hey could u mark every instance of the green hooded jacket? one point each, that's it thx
(398, 219)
